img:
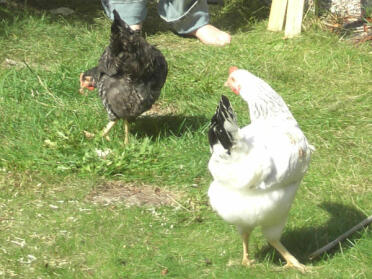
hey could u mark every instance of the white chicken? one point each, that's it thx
(256, 169)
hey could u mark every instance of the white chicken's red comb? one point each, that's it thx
(232, 69)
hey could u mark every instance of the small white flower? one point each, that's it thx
(103, 153)
(84, 209)
(19, 241)
(29, 259)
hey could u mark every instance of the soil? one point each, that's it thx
(132, 194)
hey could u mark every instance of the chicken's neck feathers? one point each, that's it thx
(264, 103)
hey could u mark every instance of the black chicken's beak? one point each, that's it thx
(86, 82)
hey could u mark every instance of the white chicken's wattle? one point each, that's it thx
(256, 169)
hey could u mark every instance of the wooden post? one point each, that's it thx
(293, 22)
(277, 15)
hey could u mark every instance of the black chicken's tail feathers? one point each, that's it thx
(118, 22)
(112, 61)
(119, 30)
(223, 127)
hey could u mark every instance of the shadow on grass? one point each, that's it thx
(301, 243)
(84, 10)
(167, 125)
(234, 15)
(240, 14)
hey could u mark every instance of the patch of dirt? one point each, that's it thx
(131, 194)
(161, 108)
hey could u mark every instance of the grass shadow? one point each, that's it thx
(167, 125)
(239, 15)
(85, 11)
(302, 242)
(234, 15)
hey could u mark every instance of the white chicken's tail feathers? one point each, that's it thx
(223, 127)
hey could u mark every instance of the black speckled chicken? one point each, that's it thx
(129, 76)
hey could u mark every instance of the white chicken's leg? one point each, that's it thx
(107, 129)
(126, 130)
(246, 261)
(291, 260)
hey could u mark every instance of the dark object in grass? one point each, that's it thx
(215, 2)
(129, 76)
(342, 237)
(207, 261)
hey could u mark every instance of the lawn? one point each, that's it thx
(142, 211)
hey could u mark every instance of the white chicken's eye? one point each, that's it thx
(232, 79)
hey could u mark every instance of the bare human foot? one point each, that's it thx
(210, 35)
(136, 27)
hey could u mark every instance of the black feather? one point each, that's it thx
(223, 127)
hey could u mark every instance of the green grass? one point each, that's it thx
(50, 229)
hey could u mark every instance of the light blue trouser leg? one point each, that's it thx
(131, 11)
(184, 15)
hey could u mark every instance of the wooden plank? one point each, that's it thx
(277, 15)
(293, 22)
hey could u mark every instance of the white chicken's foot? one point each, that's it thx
(107, 129)
(126, 130)
(246, 261)
(292, 262)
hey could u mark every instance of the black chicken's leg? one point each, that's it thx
(126, 130)
(107, 129)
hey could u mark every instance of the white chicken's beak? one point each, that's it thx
(233, 89)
